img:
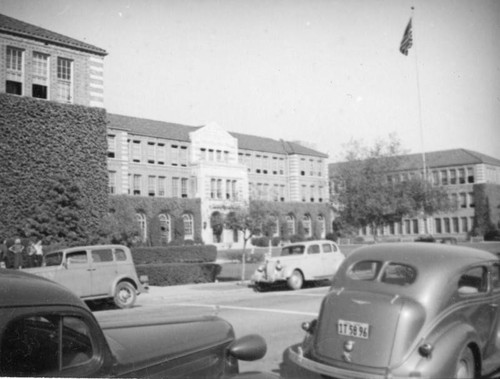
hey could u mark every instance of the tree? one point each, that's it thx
(249, 222)
(368, 193)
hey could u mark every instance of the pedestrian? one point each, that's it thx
(3, 254)
(38, 253)
(30, 262)
(17, 250)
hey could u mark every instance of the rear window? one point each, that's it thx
(393, 273)
(120, 255)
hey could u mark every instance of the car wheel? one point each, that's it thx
(296, 280)
(465, 365)
(125, 295)
(260, 287)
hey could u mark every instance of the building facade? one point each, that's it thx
(45, 65)
(224, 170)
(465, 175)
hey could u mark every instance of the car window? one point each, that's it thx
(120, 255)
(44, 345)
(495, 276)
(53, 259)
(76, 258)
(473, 281)
(313, 249)
(327, 248)
(400, 274)
(292, 250)
(103, 255)
(364, 270)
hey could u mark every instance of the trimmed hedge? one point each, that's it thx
(179, 273)
(174, 254)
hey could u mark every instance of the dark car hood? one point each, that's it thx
(139, 346)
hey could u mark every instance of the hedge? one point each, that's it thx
(174, 254)
(179, 273)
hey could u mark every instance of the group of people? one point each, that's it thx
(18, 255)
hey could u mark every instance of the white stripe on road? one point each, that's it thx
(215, 307)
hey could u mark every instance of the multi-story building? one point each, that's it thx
(464, 174)
(224, 170)
(39, 63)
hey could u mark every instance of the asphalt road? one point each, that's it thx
(276, 315)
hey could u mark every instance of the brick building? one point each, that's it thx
(42, 64)
(466, 175)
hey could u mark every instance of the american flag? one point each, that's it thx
(407, 41)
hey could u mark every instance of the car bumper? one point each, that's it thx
(295, 355)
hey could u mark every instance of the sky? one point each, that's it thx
(325, 72)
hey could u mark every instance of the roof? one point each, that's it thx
(179, 132)
(437, 159)
(18, 288)
(19, 28)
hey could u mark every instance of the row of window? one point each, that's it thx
(453, 176)
(463, 199)
(266, 191)
(223, 189)
(410, 227)
(156, 185)
(453, 224)
(40, 75)
(165, 224)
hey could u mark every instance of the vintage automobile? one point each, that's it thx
(407, 311)
(299, 262)
(46, 330)
(95, 272)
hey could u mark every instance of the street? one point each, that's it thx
(276, 315)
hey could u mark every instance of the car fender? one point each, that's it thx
(446, 347)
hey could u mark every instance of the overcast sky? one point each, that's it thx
(321, 71)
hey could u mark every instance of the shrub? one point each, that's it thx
(179, 273)
(332, 237)
(492, 234)
(275, 241)
(425, 239)
(296, 238)
(174, 254)
(260, 241)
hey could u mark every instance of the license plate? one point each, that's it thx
(353, 329)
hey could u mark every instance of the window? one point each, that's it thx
(111, 146)
(473, 281)
(41, 345)
(303, 192)
(141, 221)
(183, 156)
(327, 248)
(453, 176)
(455, 225)
(444, 177)
(64, 80)
(136, 184)
(120, 255)
(151, 152)
(174, 155)
(399, 274)
(306, 223)
(461, 175)
(162, 181)
(364, 270)
(136, 151)
(290, 225)
(234, 193)
(311, 193)
(184, 188)
(151, 185)
(471, 200)
(14, 65)
(435, 178)
(463, 200)
(219, 188)
(465, 226)
(415, 226)
(112, 182)
(175, 187)
(188, 226)
(303, 167)
(438, 226)
(258, 163)
(160, 154)
(40, 76)
(213, 185)
(495, 276)
(103, 255)
(470, 175)
(228, 189)
(313, 249)
(165, 235)
(321, 226)
(447, 226)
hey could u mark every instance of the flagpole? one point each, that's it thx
(419, 100)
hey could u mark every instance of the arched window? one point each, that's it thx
(290, 225)
(165, 229)
(141, 221)
(306, 223)
(321, 226)
(188, 226)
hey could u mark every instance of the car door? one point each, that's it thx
(491, 354)
(331, 259)
(76, 272)
(104, 270)
(312, 263)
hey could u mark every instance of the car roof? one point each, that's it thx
(95, 247)
(18, 288)
(308, 242)
(427, 256)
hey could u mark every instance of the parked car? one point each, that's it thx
(46, 330)
(299, 262)
(95, 272)
(407, 311)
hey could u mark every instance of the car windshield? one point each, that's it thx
(53, 259)
(292, 250)
(393, 273)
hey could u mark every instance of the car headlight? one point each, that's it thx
(278, 266)
(425, 350)
(261, 268)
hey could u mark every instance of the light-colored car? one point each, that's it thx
(300, 262)
(407, 311)
(47, 331)
(95, 272)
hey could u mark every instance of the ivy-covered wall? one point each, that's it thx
(487, 207)
(41, 141)
(152, 207)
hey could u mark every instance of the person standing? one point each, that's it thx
(31, 255)
(3, 254)
(17, 249)
(38, 253)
